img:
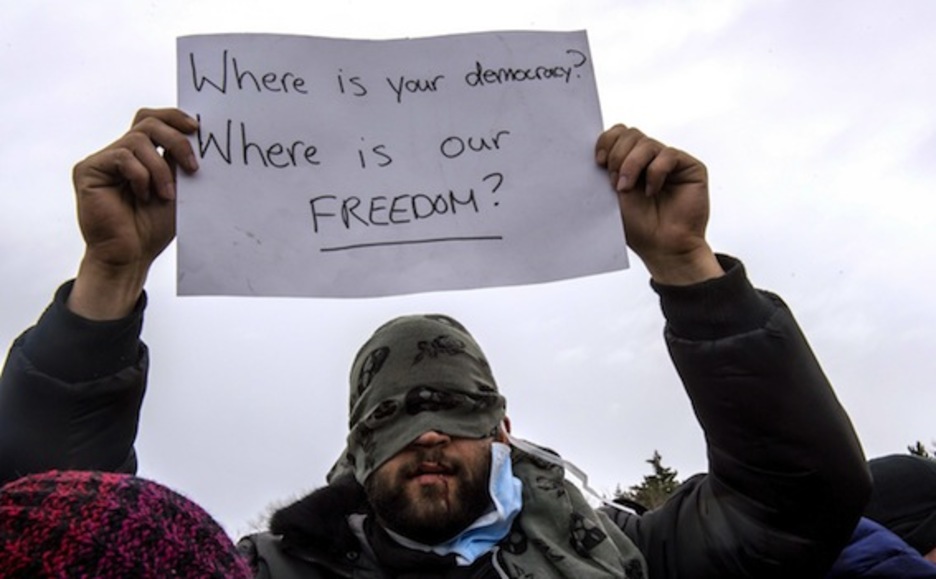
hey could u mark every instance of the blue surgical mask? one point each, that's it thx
(506, 492)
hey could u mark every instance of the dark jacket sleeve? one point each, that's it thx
(70, 393)
(787, 478)
(876, 553)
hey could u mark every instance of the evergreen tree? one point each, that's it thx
(919, 449)
(655, 488)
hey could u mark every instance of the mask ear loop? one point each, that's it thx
(569, 467)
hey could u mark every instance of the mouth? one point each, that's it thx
(427, 473)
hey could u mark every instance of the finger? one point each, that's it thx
(660, 168)
(621, 141)
(171, 138)
(135, 161)
(606, 141)
(632, 156)
(673, 166)
(171, 116)
(113, 166)
(161, 178)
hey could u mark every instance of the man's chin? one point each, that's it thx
(430, 528)
(433, 514)
(432, 483)
(428, 507)
(432, 497)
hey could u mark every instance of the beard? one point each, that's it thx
(430, 514)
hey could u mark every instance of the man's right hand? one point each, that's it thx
(126, 210)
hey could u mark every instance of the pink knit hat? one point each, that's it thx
(108, 526)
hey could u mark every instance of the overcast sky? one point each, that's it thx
(817, 123)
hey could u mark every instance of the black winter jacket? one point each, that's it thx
(786, 483)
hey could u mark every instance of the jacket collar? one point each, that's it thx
(316, 526)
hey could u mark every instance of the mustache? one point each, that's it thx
(430, 460)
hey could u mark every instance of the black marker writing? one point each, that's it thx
(458, 239)
(276, 82)
(414, 85)
(354, 84)
(498, 180)
(378, 152)
(454, 146)
(277, 155)
(483, 75)
(582, 59)
(381, 210)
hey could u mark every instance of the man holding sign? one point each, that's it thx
(431, 483)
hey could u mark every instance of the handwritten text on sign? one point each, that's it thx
(363, 168)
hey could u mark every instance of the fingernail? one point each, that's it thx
(191, 162)
(170, 191)
(622, 183)
(601, 157)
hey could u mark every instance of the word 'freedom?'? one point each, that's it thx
(361, 168)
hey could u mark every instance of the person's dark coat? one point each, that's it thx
(786, 484)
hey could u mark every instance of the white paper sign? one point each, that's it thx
(350, 168)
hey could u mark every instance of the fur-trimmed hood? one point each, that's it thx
(319, 520)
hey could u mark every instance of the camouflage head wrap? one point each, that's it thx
(416, 374)
(421, 373)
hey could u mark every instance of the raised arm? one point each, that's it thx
(787, 478)
(72, 385)
(663, 195)
(126, 210)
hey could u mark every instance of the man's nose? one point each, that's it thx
(432, 438)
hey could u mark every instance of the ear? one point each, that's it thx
(504, 430)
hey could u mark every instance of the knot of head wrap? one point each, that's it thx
(415, 374)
